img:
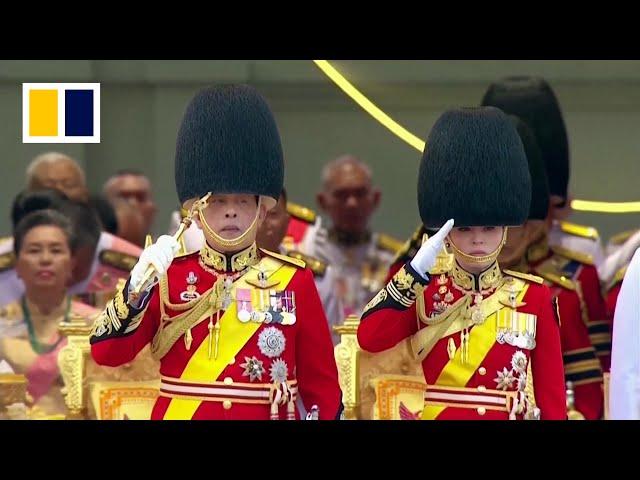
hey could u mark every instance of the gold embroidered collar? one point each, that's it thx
(349, 239)
(224, 263)
(486, 280)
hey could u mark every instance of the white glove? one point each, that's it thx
(160, 255)
(425, 259)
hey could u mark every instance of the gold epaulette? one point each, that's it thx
(618, 277)
(293, 261)
(301, 213)
(7, 261)
(557, 279)
(583, 231)
(119, 260)
(622, 237)
(317, 266)
(525, 276)
(386, 242)
(573, 255)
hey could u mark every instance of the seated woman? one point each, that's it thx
(44, 243)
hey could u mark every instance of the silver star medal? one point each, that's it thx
(519, 362)
(504, 379)
(253, 368)
(279, 371)
(271, 342)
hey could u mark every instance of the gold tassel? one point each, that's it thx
(188, 339)
(291, 409)
(210, 326)
(217, 334)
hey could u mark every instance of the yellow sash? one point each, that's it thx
(456, 373)
(233, 337)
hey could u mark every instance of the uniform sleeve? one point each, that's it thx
(612, 301)
(598, 323)
(590, 286)
(317, 373)
(581, 365)
(121, 330)
(624, 393)
(390, 316)
(547, 366)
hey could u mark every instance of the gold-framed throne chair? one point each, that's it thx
(384, 386)
(105, 393)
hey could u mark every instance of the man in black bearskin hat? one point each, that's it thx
(581, 366)
(239, 331)
(488, 339)
(574, 255)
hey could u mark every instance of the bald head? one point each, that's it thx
(60, 172)
(348, 195)
(346, 164)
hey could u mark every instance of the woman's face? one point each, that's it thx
(44, 259)
(476, 241)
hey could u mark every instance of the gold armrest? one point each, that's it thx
(346, 354)
(72, 364)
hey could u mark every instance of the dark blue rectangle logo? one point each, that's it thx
(78, 113)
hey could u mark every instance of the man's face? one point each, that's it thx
(349, 198)
(131, 223)
(63, 176)
(231, 215)
(274, 228)
(136, 190)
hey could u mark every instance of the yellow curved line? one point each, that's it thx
(419, 144)
(605, 207)
(369, 106)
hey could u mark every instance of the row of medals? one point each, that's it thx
(284, 315)
(442, 300)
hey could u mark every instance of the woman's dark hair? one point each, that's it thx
(39, 218)
(30, 201)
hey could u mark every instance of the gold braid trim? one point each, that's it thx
(583, 305)
(171, 329)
